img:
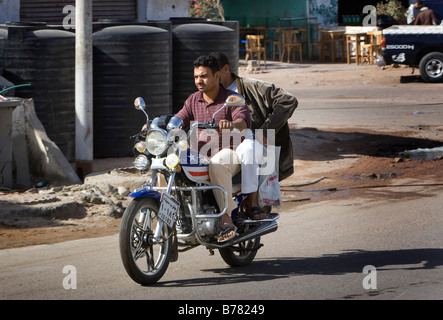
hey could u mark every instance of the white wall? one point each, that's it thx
(165, 9)
(9, 11)
(326, 11)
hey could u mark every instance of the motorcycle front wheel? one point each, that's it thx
(240, 254)
(144, 261)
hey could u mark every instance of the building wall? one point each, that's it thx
(325, 11)
(437, 6)
(9, 11)
(51, 11)
(264, 13)
(165, 9)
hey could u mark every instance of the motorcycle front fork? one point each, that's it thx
(159, 228)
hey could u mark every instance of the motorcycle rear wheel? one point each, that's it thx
(144, 261)
(240, 254)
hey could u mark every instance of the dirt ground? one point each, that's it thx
(328, 165)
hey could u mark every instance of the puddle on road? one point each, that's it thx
(428, 154)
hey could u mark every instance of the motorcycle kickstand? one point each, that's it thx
(174, 249)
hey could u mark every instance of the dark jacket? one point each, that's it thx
(271, 108)
(426, 17)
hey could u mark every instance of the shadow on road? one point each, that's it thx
(318, 145)
(411, 78)
(352, 261)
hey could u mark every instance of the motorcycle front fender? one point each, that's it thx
(145, 193)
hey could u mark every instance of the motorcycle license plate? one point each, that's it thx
(168, 209)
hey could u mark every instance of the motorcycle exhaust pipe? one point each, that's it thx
(262, 230)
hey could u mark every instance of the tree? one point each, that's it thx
(394, 9)
(209, 9)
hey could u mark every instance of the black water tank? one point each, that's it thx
(191, 41)
(3, 42)
(129, 61)
(45, 59)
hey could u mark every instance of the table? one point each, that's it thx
(356, 39)
(331, 37)
(374, 45)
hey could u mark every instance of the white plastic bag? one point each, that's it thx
(269, 187)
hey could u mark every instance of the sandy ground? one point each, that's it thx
(329, 164)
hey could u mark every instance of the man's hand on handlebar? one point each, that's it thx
(225, 124)
(238, 124)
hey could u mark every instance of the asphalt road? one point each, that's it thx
(320, 250)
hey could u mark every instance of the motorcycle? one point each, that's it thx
(176, 210)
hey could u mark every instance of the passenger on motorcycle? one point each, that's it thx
(270, 108)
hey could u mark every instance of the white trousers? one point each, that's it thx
(222, 167)
(226, 163)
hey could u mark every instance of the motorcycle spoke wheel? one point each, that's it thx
(241, 254)
(144, 260)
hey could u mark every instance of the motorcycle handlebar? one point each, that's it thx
(206, 125)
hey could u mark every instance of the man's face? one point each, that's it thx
(205, 80)
(225, 75)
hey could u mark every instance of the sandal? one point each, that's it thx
(225, 231)
(257, 213)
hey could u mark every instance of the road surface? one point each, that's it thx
(385, 243)
(319, 252)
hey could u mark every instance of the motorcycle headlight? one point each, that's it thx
(171, 160)
(140, 146)
(142, 162)
(156, 141)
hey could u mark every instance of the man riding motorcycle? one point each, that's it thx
(200, 107)
(189, 200)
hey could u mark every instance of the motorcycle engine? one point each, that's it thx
(207, 226)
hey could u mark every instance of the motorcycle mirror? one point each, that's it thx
(234, 100)
(139, 103)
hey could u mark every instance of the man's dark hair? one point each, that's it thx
(221, 58)
(419, 2)
(207, 61)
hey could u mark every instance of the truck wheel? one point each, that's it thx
(431, 67)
